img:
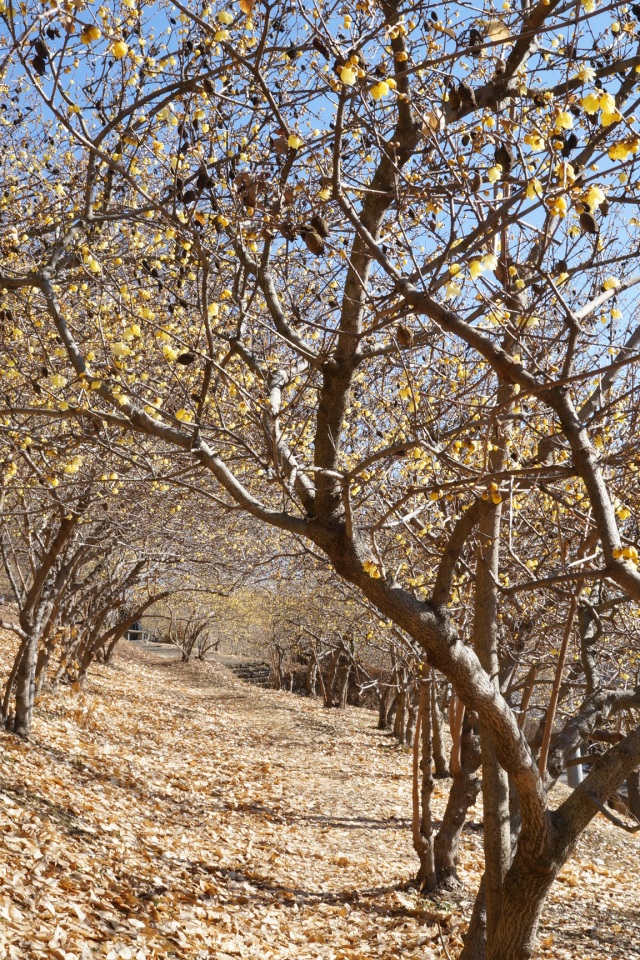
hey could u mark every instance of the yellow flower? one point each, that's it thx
(534, 140)
(591, 103)
(558, 206)
(475, 269)
(294, 141)
(534, 189)
(608, 117)
(89, 34)
(73, 466)
(586, 74)
(452, 290)
(564, 120)
(494, 173)
(184, 416)
(594, 197)
(619, 151)
(490, 261)
(348, 75)
(611, 283)
(372, 569)
(607, 103)
(225, 17)
(380, 90)
(119, 49)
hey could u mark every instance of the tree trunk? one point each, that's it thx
(323, 689)
(312, 676)
(277, 667)
(422, 790)
(463, 794)
(633, 792)
(495, 783)
(383, 707)
(343, 685)
(475, 941)
(523, 896)
(555, 689)
(8, 690)
(26, 688)
(42, 662)
(331, 678)
(399, 722)
(412, 714)
(110, 649)
(437, 726)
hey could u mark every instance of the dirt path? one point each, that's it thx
(171, 810)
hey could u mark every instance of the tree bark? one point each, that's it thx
(343, 685)
(422, 790)
(437, 726)
(8, 690)
(633, 792)
(495, 783)
(311, 679)
(463, 794)
(383, 707)
(555, 690)
(26, 688)
(330, 700)
(399, 722)
(412, 716)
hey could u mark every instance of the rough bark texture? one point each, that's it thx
(633, 792)
(437, 727)
(422, 790)
(463, 794)
(400, 720)
(25, 687)
(495, 784)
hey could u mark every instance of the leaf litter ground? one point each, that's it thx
(170, 810)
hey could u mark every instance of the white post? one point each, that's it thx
(575, 775)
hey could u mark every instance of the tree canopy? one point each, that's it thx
(365, 274)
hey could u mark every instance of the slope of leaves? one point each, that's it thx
(170, 810)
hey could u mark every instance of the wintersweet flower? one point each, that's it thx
(119, 49)
(564, 120)
(348, 75)
(534, 189)
(380, 90)
(591, 103)
(586, 74)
